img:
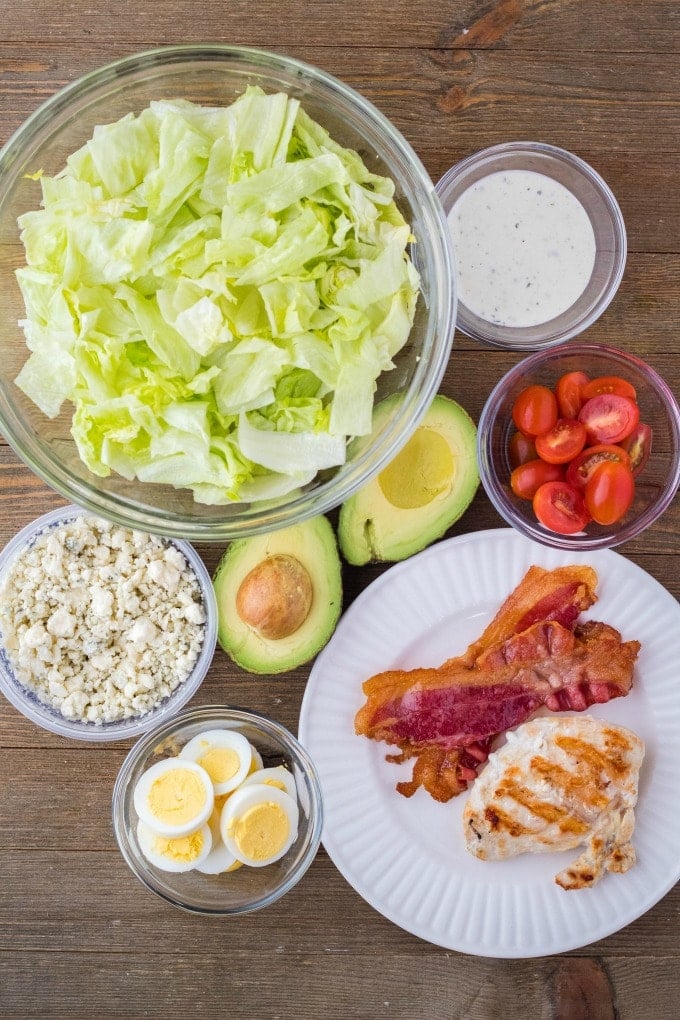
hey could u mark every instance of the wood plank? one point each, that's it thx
(658, 540)
(451, 104)
(443, 100)
(643, 318)
(628, 26)
(313, 917)
(337, 985)
(279, 697)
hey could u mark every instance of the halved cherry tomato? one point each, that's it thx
(535, 410)
(521, 448)
(609, 492)
(609, 384)
(638, 446)
(560, 507)
(562, 442)
(582, 467)
(609, 418)
(569, 392)
(527, 478)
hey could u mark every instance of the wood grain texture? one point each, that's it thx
(601, 26)
(79, 937)
(337, 985)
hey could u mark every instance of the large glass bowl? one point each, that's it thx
(247, 889)
(216, 75)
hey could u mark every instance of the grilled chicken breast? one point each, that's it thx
(559, 783)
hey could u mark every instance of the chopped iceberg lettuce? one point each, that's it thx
(215, 291)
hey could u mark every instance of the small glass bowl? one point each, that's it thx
(608, 227)
(44, 715)
(655, 486)
(246, 889)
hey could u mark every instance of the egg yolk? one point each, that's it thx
(221, 763)
(261, 831)
(177, 796)
(419, 473)
(276, 783)
(179, 848)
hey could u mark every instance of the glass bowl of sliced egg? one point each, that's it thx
(219, 811)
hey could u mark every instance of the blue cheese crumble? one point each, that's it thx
(102, 623)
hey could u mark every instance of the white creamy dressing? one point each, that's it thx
(525, 248)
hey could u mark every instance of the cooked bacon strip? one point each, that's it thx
(447, 717)
(455, 707)
(542, 595)
(444, 774)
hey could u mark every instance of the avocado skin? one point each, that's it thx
(371, 530)
(314, 544)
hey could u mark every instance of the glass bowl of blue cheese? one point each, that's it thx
(539, 244)
(105, 632)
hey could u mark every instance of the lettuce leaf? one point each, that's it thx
(215, 291)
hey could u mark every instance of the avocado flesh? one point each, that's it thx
(420, 473)
(313, 544)
(421, 492)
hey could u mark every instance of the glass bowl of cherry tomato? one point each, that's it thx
(579, 446)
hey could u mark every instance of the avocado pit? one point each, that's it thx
(275, 597)
(279, 596)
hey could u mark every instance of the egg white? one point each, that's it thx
(220, 859)
(278, 776)
(202, 743)
(247, 797)
(142, 790)
(147, 837)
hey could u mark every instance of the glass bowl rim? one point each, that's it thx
(517, 334)
(212, 713)
(124, 729)
(431, 364)
(489, 474)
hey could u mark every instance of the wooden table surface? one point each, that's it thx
(79, 937)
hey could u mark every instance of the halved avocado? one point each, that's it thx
(279, 596)
(421, 492)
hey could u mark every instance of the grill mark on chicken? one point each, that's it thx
(588, 757)
(498, 819)
(576, 787)
(549, 812)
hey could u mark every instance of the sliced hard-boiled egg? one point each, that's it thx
(256, 763)
(224, 754)
(258, 824)
(219, 860)
(175, 853)
(220, 800)
(277, 776)
(174, 797)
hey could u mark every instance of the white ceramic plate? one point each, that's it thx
(406, 856)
